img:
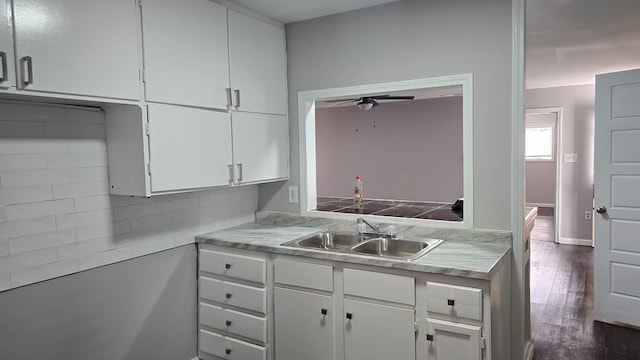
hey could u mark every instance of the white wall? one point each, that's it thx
(56, 214)
(412, 40)
(413, 153)
(576, 187)
(541, 174)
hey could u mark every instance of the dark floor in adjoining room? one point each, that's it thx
(563, 326)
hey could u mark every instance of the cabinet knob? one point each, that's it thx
(228, 323)
(227, 266)
(5, 76)
(227, 351)
(349, 316)
(323, 311)
(228, 295)
(451, 302)
(430, 337)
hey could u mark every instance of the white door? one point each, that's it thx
(257, 61)
(186, 56)
(260, 147)
(617, 197)
(303, 325)
(378, 332)
(80, 47)
(453, 341)
(7, 71)
(188, 148)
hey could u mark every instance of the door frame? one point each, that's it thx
(558, 153)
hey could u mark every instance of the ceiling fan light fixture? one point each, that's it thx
(365, 105)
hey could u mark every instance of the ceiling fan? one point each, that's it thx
(367, 102)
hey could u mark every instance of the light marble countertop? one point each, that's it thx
(465, 253)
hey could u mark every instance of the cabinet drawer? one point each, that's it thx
(452, 300)
(229, 348)
(313, 276)
(380, 286)
(230, 293)
(233, 265)
(234, 322)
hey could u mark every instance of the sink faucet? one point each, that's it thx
(375, 228)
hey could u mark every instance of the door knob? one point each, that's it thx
(601, 209)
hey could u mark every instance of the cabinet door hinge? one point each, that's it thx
(483, 343)
(149, 168)
(147, 129)
(415, 326)
(143, 75)
(138, 3)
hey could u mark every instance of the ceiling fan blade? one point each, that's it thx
(394, 97)
(338, 100)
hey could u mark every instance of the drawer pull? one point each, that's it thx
(227, 351)
(349, 316)
(430, 337)
(228, 323)
(228, 295)
(227, 266)
(323, 311)
(451, 302)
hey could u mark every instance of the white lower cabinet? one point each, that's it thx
(378, 332)
(453, 341)
(303, 325)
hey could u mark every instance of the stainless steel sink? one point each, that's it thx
(329, 240)
(401, 248)
(362, 244)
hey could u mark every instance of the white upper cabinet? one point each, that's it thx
(78, 47)
(260, 147)
(7, 78)
(257, 60)
(185, 52)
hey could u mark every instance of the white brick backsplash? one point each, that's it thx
(20, 111)
(4, 247)
(94, 260)
(22, 162)
(28, 260)
(44, 272)
(92, 203)
(71, 160)
(19, 228)
(83, 248)
(89, 174)
(5, 281)
(98, 145)
(41, 241)
(95, 231)
(74, 131)
(181, 204)
(119, 201)
(137, 211)
(122, 227)
(39, 209)
(34, 177)
(3, 214)
(25, 194)
(31, 146)
(151, 222)
(83, 116)
(83, 218)
(79, 189)
(17, 129)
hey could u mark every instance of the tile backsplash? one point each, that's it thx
(56, 214)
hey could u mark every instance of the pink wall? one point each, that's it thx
(414, 152)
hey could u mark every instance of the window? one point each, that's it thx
(539, 142)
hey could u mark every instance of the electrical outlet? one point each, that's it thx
(587, 215)
(570, 158)
(293, 194)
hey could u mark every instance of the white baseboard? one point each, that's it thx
(570, 241)
(540, 205)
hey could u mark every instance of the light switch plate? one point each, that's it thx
(570, 157)
(293, 194)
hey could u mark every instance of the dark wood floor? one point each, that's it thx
(563, 325)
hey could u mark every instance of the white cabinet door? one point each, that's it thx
(257, 60)
(186, 55)
(188, 148)
(303, 325)
(7, 71)
(453, 341)
(80, 47)
(260, 147)
(378, 332)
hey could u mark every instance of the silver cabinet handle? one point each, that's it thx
(239, 172)
(28, 78)
(231, 174)
(5, 76)
(237, 92)
(229, 99)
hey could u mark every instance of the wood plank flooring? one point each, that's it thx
(563, 325)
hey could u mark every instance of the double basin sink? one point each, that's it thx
(366, 244)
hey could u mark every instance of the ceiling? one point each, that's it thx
(567, 41)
